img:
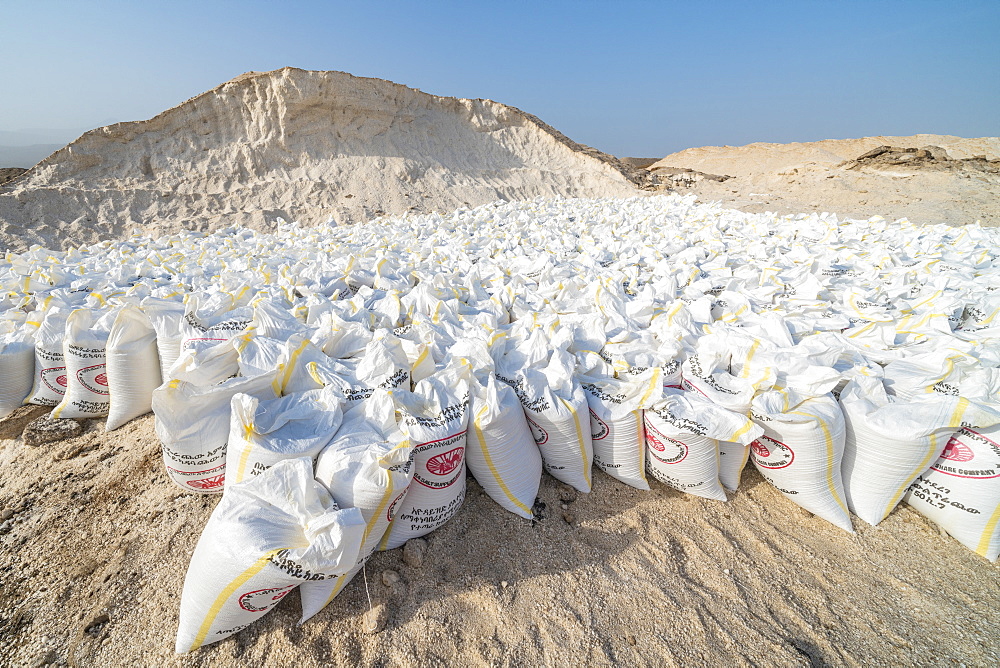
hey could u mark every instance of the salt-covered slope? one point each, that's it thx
(299, 145)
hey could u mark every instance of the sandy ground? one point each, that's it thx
(94, 557)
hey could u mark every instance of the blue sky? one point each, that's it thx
(638, 78)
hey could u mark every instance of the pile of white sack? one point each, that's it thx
(335, 382)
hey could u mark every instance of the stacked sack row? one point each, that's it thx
(336, 381)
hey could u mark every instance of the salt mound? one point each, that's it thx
(299, 145)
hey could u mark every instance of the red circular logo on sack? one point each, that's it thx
(391, 512)
(769, 453)
(540, 435)
(969, 454)
(263, 599)
(94, 379)
(673, 451)
(598, 428)
(444, 461)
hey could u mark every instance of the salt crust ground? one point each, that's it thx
(639, 578)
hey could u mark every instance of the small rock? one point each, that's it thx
(566, 493)
(12, 425)
(374, 620)
(504, 584)
(45, 430)
(390, 578)
(96, 624)
(726, 571)
(631, 640)
(6, 514)
(46, 659)
(5, 527)
(414, 552)
(569, 517)
(564, 507)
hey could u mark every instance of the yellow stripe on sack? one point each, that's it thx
(290, 367)
(579, 439)
(221, 599)
(245, 455)
(489, 462)
(931, 451)
(641, 429)
(984, 541)
(748, 425)
(829, 458)
(745, 373)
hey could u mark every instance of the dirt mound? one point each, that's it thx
(928, 157)
(298, 145)
(763, 158)
(925, 178)
(10, 173)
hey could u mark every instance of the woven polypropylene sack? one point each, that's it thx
(801, 450)
(889, 444)
(133, 367)
(85, 354)
(500, 451)
(17, 368)
(50, 380)
(368, 466)
(616, 425)
(263, 433)
(435, 417)
(266, 536)
(961, 491)
(192, 423)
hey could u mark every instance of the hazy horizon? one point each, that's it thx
(640, 79)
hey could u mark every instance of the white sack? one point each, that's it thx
(501, 452)
(435, 417)
(192, 423)
(889, 444)
(263, 433)
(50, 380)
(617, 431)
(266, 536)
(682, 434)
(133, 367)
(85, 356)
(961, 491)
(17, 368)
(801, 450)
(368, 466)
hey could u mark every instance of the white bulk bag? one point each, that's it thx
(889, 444)
(192, 423)
(50, 380)
(166, 316)
(85, 356)
(801, 450)
(17, 368)
(263, 433)
(556, 409)
(501, 452)
(435, 417)
(682, 433)
(368, 466)
(266, 536)
(733, 459)
(961, 491)
(133, 367)
(199, 331)
(616, 427)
